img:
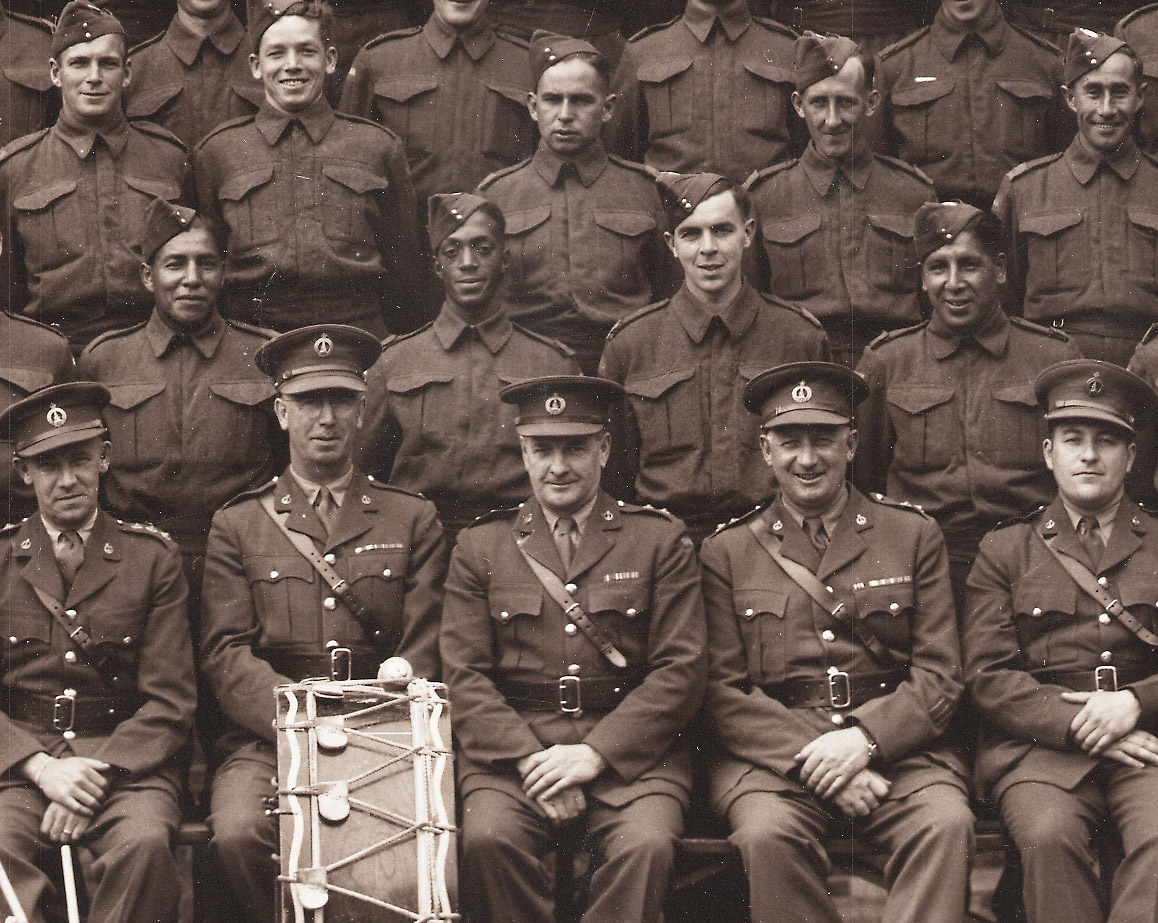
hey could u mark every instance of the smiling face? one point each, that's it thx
(963, 282)
(565, 470)
(1105, 101)
(833, 108)
(710, 245)
(470, 264)
(570, 106)
(810, 461)
(67, 481)
(92, 77)
(321, 426)
(185, 277)
(292, 63)
(1089, 461)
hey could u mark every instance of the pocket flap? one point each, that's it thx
(790, 230)
(1143, 217)
(35, 77)
(41, 198)
(1136, 592)
(522, 221)
(665, 69)
(508, 602)
(151, 100)
(1046, 223)
(1025, 89)
(656, 385)
(898, 225)
(920, 93)
(1035, 598)
(354, 177)
(272, 570)
(1020, 393)
(386, 565)
(156, 188)
(27, 625)
(918, 400)
(239, 185)
(628, 224)
(252, 93)
(891, 599)
(401, 89)
(773, 73)
(627, 597)
(26, 379)
(403, 384)
(129, 396)
(248, 393)
(751, 603)
(517, 95)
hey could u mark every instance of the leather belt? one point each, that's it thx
(837, 690)
(570, 695)
(1104, 678)
(70, 714)
(339, 663)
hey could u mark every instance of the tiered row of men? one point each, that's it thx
(699, 520)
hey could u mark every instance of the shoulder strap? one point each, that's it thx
(817, 591)
(79, 636)
(558, 592)
(337, 583)
(1088, 584)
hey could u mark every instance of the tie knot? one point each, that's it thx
(814, 529)
(1087, 525)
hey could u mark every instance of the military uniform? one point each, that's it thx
(320, 218)
(29, 100)
(872, 23)
(458, 102)
(714, 98)
(190, 83)
(967, 107)
(1139, 30)
(1054, 20)
(839, 241)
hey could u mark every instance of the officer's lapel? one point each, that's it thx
(1055, 524)
(40, 570)
(1124, 540)
(846, 545)
(291, 499)
(356, 515)
(99, 566)
(533, 535)
(595, 542)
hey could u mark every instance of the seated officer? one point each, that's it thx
(271, 615)
(835, 669)
(568, 699)
(27, 100)
(1082, 223)
(836, 226)
(97, 672)
(689, 445)
(434, 423)
(951, 423)
(1059, 644)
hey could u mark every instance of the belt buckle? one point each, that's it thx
(842, 699)
(64, 713)
(1106, 678)
(570, 696)
(341, 664)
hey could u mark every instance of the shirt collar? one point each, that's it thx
(477, 39)
(85, 531)
(161, 336)
(82, 138)
(830, 517)
(186, 44)
(949, 35)
(580, 517)
(1084, 164)
(1105, 518)
(450, 325)
(696, 317)
(821, 171)
(700, 16)
(316, 120)
(992, 336)
(338, 488)
(589, 165)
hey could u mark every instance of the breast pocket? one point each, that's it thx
(519, 638)
(1022, 107)
(891, 259)
(1042, 609)
(667, 92)
(408, 105)
(621, 240)
(284, 598)
(924, 115)
(925, 421)
(760, 615)
(1017, 427)
(136, 422)
(150, 102)
(887, 612)
(1056, 251)
(50, 225)
(667, 408)
(764, 92)
(249, 206)
(509, 134)
(141, 191)
(527, 243)
(796, 257)
(27, 631)
(377, 579)
(417, 401)
(348, 203)
(1143, 247)
(622, 609)
(239, 424)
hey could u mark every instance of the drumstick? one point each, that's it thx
(69, 883)
(10, 896)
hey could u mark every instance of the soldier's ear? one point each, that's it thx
(280, 411)
(766, 447)
(798, 103)
(127, 79)
(54, 72)
(749, 232)
(147, 277)
(669, 239)
(1047, 452)
(872, 103)
(609, 102)
(1068, 96)
(853, 439)
(255, 67)
(106, 455)
(1132, 453)
(999, 269)
(533, 107)
(21, 466)
(331, 60)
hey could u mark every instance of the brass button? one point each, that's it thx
(330, 559)
(1104, 618)
(830, 589)
(1103, 582)
(570, 629)
(827, 635)
(832, 671)
(573, 669)
(504, 615)
(894, 607)
(1036, 610)
(1106, 657)
(331, 644)
(273, 575)
(838, 719)
(631, 611)
(71, 613)
(329, 602)
(386, 573)
(70, 656)
(128, 639)
(570, 588)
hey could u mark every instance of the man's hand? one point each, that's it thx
(863, 793)
(61, 825)
(563, 807)
(549, 772)
(1105, 718)
(1136, 749)
(831, 760)
(75, 783)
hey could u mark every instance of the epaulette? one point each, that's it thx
(907, 168)
(364, 121)
(1015, 520)
(558, 345)
(794, 308)
(1036, 39)
(519, 41)
(1122, 23)
(20, 318)
(145, 44)
(12, 526)
(495, 515)
(646, 509)
(899, 504)
(758, 176)
(776, 26)
(152, 128)
(264, 332)
(225, 126)
(42, 24)
(19, 144)
(648, 30)
(390, 36)
(498, 174)
(250, 494)
(882, 338)
(113, 335)
(911, 39)
(1022, 168)
(1150, 334)
(382, 485)
(742, 518)
(145, 528)
(636, 315)
(1051, 331)
(395, 339)
(650, 172)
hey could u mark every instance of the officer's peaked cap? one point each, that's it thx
(53, 417)
(805, 393)
(562, 405)
(319, 357)
(1088, 389)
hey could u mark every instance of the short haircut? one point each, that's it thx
(597, 61)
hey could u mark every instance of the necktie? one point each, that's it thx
(1091, 538)
(814, 528)
(326, 506)
(69, 554)
(564, 535)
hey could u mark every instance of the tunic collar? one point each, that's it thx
(992, 336)
(476, 40)
(1084, 164)
(161, 336)
(735, 18)
(696, 317)
(822, 171)
(494, 332)
(949, 35)
(82, 138)
(316, 120)
(186, 44)
(589, 165)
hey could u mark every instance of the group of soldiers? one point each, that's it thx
(752, 425)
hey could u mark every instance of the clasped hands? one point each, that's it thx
(554, 779)
(834, 766)
(76, 787)
(1107, 726)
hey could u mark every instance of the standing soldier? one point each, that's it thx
(835, 670)
(951, 422)
(970, 97)
(453, 91)
(836, 226)
(569, 697)
(1059, 643)
(195, 75)
(1139, 30)
(73, 197)
(27, 100)
(98, 677)
(1083, 225)
(323, 571)
(317, 206)
(1054, 20)
(584, 229)
(689, 445)
(872, 24)
(434, 423)
(714, 91)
